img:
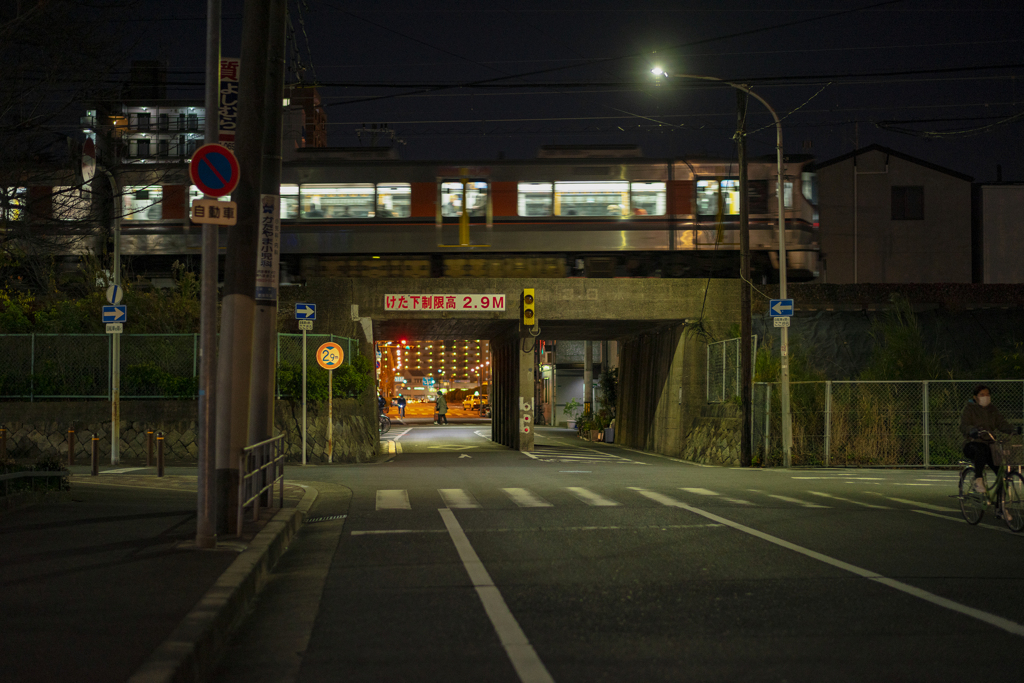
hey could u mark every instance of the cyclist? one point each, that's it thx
(382, 404)
(981, 416)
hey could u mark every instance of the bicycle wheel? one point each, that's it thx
(385, 424)
(1013, 501)
(972, 503)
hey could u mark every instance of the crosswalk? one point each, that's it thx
(579, 454)
(566, 496)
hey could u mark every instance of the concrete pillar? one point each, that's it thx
(588, 376)
(527, 398)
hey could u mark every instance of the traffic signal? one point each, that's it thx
(529, 312)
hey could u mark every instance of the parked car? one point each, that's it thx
(471, 403)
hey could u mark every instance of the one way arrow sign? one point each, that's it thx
(305, 311)
(781, 307)
(115, 314)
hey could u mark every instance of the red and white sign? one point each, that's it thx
(227, 111)
(444, 302)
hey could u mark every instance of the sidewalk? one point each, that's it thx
(90, 588)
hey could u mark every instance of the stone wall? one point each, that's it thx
(714, 436)
(39, 429)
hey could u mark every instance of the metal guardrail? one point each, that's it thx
(877, 423)
(29, 474)
(262, 467)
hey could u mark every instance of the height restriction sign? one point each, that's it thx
(214, 170)
(330, 356)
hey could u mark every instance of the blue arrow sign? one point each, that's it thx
(115, 314)
(780, 307)
(305, 311)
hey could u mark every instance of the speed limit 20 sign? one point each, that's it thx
(330, 356)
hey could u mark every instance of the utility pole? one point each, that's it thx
(264, 361)
(234, 367)
(206, 500)
(746, 455)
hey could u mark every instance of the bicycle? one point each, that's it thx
(1006, 494)
(385, 423)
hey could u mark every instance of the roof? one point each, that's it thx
(899, 155)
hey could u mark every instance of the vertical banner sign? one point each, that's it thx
(268, 260)
(228, 111)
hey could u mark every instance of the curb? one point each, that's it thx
(194, 648)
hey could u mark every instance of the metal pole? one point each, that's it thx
(71, 445)
(330, 416)
(159, 454)
(927, 439)
(234, 366)
(115, 343)
(95, 460)
(206, 499)
(303, 397)
(746, 350)
(149, 452)
(588, 377)
(828, 424)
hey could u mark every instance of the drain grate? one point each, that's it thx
(313, 520)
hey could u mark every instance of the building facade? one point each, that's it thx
(887, 217)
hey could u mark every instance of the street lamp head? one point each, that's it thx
(658, 71)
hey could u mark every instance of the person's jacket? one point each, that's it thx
(442, 405)
(983, 418)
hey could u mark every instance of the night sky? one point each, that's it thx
(912, 67)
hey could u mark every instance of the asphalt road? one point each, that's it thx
(462, 561)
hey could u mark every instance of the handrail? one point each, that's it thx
(261, 467)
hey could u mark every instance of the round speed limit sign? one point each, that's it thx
(330, 356)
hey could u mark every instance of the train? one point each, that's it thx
(570, 212)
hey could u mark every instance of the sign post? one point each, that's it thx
(781, 310)
(330, 356)
(114, 316)
(305, 314)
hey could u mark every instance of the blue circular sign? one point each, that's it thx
(214, 170)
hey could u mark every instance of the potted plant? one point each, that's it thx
(572, 410)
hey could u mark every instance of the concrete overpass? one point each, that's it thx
(658, 323)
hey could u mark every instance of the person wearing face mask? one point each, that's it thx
(978, 422)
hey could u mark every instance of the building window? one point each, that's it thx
(12, 203)
(164, 122)
(394, 200)
(350, 200)
(590, 198)
(142, 203)
(143, 120)
(451, 198)
(193, 121)
(142, 147)
(908, 203)
(648, 199)
(535, 199)
(289, 201)
(163, 147)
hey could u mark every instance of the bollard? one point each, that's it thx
(95, 455)
(159, 454)
(71, 444)
(149, 448)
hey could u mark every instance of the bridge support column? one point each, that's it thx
(527, 395)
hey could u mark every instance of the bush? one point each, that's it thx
(149, 379)
(351, 380)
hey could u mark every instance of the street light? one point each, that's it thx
(787, 432)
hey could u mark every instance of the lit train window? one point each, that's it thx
(589, 198)
(718, 197)
(142, 203)
(451, 198)
(648, 199)
(12, 203)
(289, 201)
(351, 200)
(394, 200)
(535, 199)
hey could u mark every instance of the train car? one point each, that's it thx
(594, 212)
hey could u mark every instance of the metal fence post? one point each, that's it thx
(924, 406)
(159, 454)
(828, 424)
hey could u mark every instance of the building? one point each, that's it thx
(419, 369)
(998, 230)
(887, 217)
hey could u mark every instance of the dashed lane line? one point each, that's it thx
(457, 499)
(914, 503)
(393, 499)
(526, 499)
(848, 500)
(787, 499)
(591, 498)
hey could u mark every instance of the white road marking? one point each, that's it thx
(663, 527)
(961, 519)
(787, 499)
(991, 619)
(123, 470)
(522, 655)
(700, 492)
(926, 506)
(912, 483)
(526, 499)
(393, 499)
(376, 532)
(848, 500)
(402, 433)
(458, 499)
(590, 498)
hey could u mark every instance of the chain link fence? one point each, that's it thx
(723, 369)
(153, 366)
(289, 356)
(875, 424)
